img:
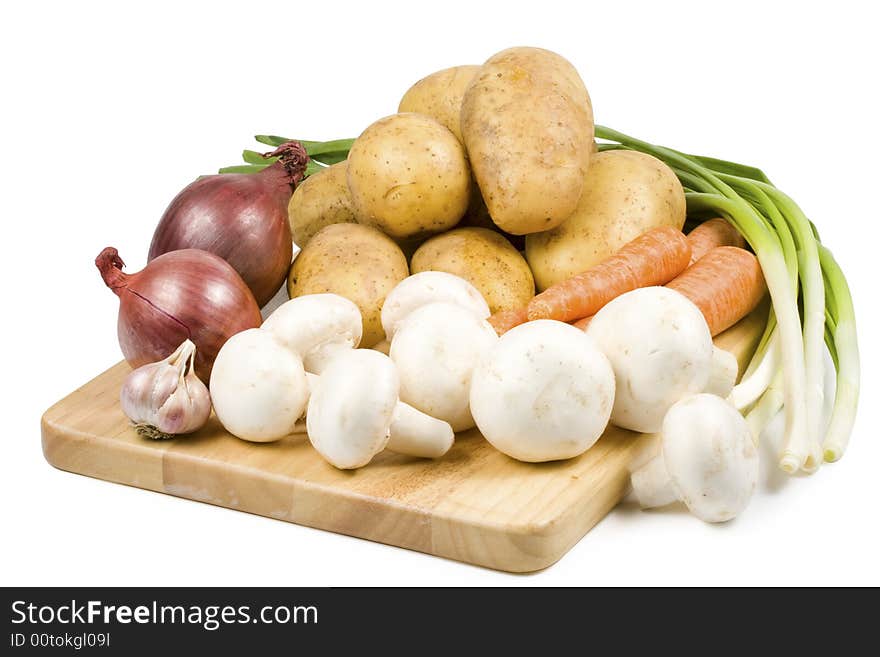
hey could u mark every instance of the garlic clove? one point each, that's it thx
(167, 398)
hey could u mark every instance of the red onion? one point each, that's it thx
(186, 294)
(240, 217)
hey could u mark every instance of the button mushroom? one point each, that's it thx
(435, 349)
(661, 350)
(258, 387)
(544, 392)
(354, 413)
(261, 389)
(427, 287)
(707, 460)
(317, 327)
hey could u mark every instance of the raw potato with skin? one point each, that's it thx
(527, 123)
(626, 194)
(353, 261)
(320, 200)
(439, 96)
(408, 175)
(477, 216)
(485, 259)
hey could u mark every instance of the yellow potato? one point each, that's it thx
(527, 123)
(353, 261)
(478, 215)
(408, 174)
(626, 194)
(485, 259)
(320, 200)
(439, 96)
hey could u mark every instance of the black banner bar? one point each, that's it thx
(256, 621)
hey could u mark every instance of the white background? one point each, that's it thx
(109, 109)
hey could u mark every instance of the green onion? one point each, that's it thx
(794, 264)
(845, 352)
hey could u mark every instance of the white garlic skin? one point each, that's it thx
(163, 399)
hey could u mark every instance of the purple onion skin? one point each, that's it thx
(240, 217)
(183, 294)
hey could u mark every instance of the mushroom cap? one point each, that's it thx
(427, 287)
(710, 456)
(436, 348)
(258, 387)
(660, 347)
(313, 324)
(352, 406)
(543, 393)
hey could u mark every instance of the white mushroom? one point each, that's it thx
(707, 460)
(661, 350)
(428, 287)
(354, 411)
(317, 327)
(436, 348)
(258, 387)
(544, 392)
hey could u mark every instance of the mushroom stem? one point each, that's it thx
(318, 359)
(722, 373)
(652, 485)
(417, 434)
(412, 432)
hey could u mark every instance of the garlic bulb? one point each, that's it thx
(167, 398)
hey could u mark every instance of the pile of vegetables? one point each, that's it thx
(480, 259)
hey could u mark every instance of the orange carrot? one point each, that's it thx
(504, 320)
(582, 324)
(726, 284)
(653, 258)
(712, 233)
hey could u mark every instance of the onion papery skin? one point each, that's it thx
(183, 294)
(240, 217)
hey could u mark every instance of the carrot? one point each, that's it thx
(726, 284)
(712, 233)
(582, 324)
(653, 258)
(504, 320)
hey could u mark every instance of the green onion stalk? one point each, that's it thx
(786, 371)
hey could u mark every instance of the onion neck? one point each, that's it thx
(110, 265)
(291, 164)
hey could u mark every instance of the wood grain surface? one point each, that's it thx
(474, 505)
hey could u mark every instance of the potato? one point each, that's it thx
(320, 200)
(356, 262)
(527, 124)
(477, 215)
(408, 174)
(484, 258)
(626, 194)
(439, 96)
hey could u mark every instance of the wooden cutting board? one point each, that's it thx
(474, 505)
